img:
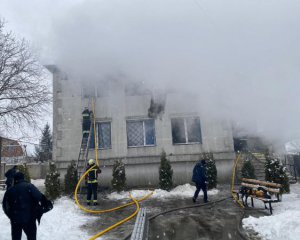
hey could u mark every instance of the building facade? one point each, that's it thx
(135, 125)
(11, 151)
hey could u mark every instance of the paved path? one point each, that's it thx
(219, 221)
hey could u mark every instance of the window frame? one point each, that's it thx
(186, 135)
(144, 133)
(97, 138)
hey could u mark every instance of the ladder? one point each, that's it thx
(83, 153)
(84, 147)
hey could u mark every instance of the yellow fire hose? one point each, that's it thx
(106, 210)
(120, 222)
(233, 178)
(134, 201)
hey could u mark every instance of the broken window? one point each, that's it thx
(103, 131)
(136, 89)
(88, 91)
(103, 89)
(140, 133)
(186, 130)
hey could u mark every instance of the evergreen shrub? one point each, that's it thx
(71, 178)
(248, 170)
(165, 173)
(119, 176)
(23, 169)
(277, 173)
(211, 171)
(52, 183)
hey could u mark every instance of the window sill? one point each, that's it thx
(141, 146)
(100, 149)
(194, 143)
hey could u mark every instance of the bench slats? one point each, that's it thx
(263, 199)
(273, 190)
(262, 183)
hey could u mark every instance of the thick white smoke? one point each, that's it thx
(240, 57)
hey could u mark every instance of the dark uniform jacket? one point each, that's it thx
(199, 174)
(20, 202)
(92, 176)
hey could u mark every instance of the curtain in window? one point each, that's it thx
(135, 134)
(104, 135)
(149, 132)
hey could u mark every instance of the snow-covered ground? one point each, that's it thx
(63, 222)
(66, 219)
(182, 191)
(285, 221)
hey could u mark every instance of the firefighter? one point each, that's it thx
(92, 182)
(86, 121)
(10, 177)
(23, 203)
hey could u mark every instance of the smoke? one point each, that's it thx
(240, 58)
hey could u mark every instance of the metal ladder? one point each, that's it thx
(83, 153)
(84, 147)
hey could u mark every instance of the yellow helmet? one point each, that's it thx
(91, 161)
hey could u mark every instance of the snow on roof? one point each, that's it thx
(293, 147)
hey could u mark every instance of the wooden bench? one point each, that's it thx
(267, 192)
(2, 184)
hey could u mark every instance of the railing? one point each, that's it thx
(289, 163)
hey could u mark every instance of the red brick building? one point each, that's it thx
(12, 151)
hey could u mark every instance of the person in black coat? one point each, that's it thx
(200, 179)
(22, 204)
(10, 177)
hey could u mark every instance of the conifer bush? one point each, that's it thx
(71, 178)
(23, 169)
(165, 173)
(211, 171)
(248, 170)
(276, 172)
(52, 183)
(119, 176)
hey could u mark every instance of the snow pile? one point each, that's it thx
(285, 221)
(63, 222)
(39, 183)
(182, 191)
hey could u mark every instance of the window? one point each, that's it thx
(104, 135)
(103, 131)
(136, 89)
(88, 91)
(186, 130)
(103, 89)
(140, 133)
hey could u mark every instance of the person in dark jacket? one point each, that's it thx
(21, 204)
(200, 179)
(86, 121)
(10, 177)
(92, 182)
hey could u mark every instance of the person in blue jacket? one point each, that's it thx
(200, 179)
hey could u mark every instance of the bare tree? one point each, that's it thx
(23, 91)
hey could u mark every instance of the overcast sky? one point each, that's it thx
(241, 57)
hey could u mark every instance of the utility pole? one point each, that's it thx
(25, 153)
